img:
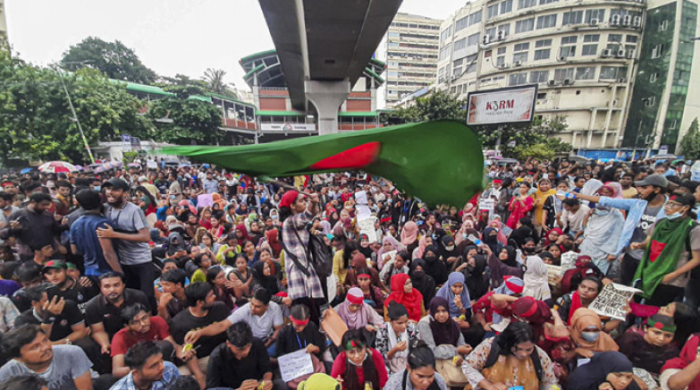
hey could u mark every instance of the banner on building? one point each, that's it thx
(502, 106)
(288, 126)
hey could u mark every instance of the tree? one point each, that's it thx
(112, 58)
(515, 139)
(439, 105)
(691, 142)
(189, 120)
(216, 84)
(36, 121)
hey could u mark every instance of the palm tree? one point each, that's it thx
(215, 79)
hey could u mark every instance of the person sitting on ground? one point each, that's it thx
(358, 364)
(263, 317)
(356, 314)
(25, 382)
(605, 371)
(419, 373)
(508, 360)
(147, 369)
(63, 367)
(587, 291)
(173, 299)
(241, 362)
(652, 349)
(683, 372)
(140, 326)
(395, 337)
(56, 273)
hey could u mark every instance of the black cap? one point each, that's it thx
(117, 183)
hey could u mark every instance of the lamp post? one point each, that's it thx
(75, 116)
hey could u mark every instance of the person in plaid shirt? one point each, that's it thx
(303, 289)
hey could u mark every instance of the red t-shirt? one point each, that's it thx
(125, 339)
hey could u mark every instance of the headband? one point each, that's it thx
(660, 326)
(355, 299)
(515, 285)
(364, 276)
(530, 311)
(299, 322)
(352, 344)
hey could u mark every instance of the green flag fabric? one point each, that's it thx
(439, 162)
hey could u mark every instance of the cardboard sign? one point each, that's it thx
(204, 200)
(554, 274)
(367, 227)
(391, 254)
(612, 300)
(333, 325)
(295, 364)
(487, 204)
(361, 197)
(568, 261)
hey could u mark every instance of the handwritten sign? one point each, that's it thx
(554, 274)
(295, 364)
(486, 204)
(391, 254)
(367, 227)
(361, 197)
(204, 200)
(612, 300)
(568, 261)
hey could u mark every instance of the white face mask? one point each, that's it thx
(450, 247)
(674, 216)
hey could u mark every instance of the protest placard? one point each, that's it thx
(612, 300)
(554, 274)
(367, 227)
(486, 204)
(295, 364)
(204, 200)
(361, 197)
(568, 261)
(390, 254)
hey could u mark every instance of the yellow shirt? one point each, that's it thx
(338, 269)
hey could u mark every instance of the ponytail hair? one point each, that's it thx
(355, 337)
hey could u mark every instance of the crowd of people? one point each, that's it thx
(191, 277)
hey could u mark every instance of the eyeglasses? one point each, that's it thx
(672, 205)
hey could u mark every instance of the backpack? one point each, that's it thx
(493, 358)
(318, 253)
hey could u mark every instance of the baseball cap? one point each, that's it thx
(655, 180)
(117, 183)
(142, 179)
(55, 264)
(685, 200)
(288, 198)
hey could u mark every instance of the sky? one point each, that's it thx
(169, 36)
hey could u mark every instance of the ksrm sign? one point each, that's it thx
(502, 106)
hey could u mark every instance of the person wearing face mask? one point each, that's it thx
(588, 336)
(433, 266)
(358, 364)
(602, 229)
(422, 281)
(606, 371)
(675, 240)
(642, 213)
(448, 251)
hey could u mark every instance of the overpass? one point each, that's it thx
(324, 47)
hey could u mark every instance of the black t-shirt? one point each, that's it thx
(63, 324)
(78, 294)
(225, 370)
(184, 321)
(99, 310)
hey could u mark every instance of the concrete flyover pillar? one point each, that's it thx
(327, 96)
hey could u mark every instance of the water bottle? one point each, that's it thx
(695, 171)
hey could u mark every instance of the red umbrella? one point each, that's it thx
(57, 167)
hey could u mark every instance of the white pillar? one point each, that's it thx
(327, 96)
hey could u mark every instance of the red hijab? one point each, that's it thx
(546, 238)
(274, 242)
(411, 301)
(243, 230)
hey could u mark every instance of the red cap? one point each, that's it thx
(288, 198)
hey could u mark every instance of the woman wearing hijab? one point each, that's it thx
(457, 295)
(442, 334)
(389, 244)
(535, 278)
(359, 261)
(423, 243)
(493, 307)
(476, 279)
(601, 234)
(263, 277)
(606, 371)
(433, 266)
(274, 242)
(448, 250)
(544, 191)
(356, 314)
(490, 238)
(403, 292)
(409, 236)
(422, 281)
(588, 336)
(242, 233)
(502, 264)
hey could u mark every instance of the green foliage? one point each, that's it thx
(112, 58)
(538, 151)
(36, 121)
(540, 131)
(129, 156)
(188, 120)
(216, 84)
(690, 145)
(439, 105)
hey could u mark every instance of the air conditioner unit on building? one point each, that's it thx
(615, 20)
(561, 58)
(503, 65)
(568, 82)
(501, 35)
(487, 39)
(637, 22)
(631, 54)
(627, 20)
(517, 63)
(606, 53)
(594, 22)
(620, 53)
(551, 83)
(622, 80)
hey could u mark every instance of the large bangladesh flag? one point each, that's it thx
(438, 162)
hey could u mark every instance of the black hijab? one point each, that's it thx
(446, 241)
(477, 282)
(434, 267)
(422, 281)
(269, 283)
(593, 374)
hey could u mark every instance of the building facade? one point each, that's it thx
(410, 49)
(663, 102)
(583, 54)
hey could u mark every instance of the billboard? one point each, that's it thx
(502, 106)
(288, 126)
